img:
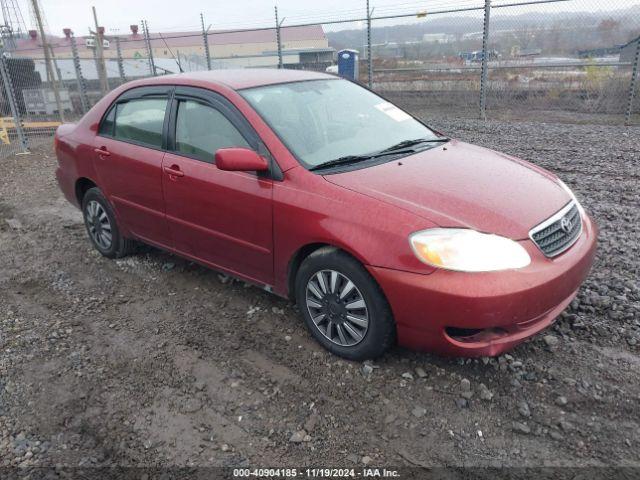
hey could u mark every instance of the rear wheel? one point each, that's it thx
(102, 227)
(342, 305)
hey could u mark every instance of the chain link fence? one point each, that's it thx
(436, 70)
(555, 63)
(565, 60)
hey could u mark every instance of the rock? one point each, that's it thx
(287, 338)
(353, 458)
(465, 389)
(311, 422)
(299, 437)
(564, 425)
(367, 460)
(200, 385)
(556, 435)
(191, 405)
(14, 223)
(561, 401)
(462, 402)
(420, 372)
(168, 266)
(407, 375)
(419, 412)
(551, 340)
(521, 428)
(485, 393)
(467, 395)
(367, 369)
(523, 409)
(465, 385)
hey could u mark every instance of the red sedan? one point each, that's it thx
(382, 229)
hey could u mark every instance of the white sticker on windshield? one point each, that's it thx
(393, 111)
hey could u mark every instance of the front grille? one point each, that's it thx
(559, 232)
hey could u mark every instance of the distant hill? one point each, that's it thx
(570, 30)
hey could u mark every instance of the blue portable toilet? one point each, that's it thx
(348, 64)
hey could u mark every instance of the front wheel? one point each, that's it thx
(343, 306)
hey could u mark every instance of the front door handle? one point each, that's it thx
(173, 171)
(102, 151)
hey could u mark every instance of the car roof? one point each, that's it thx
(239, 78)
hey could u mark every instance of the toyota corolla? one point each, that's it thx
(381, 229)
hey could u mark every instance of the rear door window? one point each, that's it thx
(141, 121)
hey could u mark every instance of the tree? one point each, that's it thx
(608, 30)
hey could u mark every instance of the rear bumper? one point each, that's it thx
(501, 308)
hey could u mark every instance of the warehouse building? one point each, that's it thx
(302, 47)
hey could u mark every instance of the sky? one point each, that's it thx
(181, 15)
(162, 15)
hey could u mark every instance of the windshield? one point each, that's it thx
(323, 120)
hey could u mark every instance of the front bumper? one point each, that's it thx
(498, 309)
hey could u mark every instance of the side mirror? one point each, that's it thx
(240, 160)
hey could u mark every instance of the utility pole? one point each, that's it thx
(179, 61)
(82, 86)
(206, 42)
(13, 104)
(485, 61)
(369, 61)
(120, 60)
(278, 39)
(632, 85)
(47, 60)
(102, 69)
(152, 64)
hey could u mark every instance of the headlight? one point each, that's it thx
(573, 197)
(467, 250)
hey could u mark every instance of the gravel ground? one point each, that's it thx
(154, 361)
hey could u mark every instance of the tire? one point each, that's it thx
(322, 279)
(102, 227)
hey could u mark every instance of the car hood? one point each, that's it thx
(463, 185)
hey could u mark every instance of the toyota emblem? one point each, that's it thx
(565, 225)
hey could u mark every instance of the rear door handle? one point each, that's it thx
(102, 151)
(173, 171)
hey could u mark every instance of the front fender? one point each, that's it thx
(308, 210)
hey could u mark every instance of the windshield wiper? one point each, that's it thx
(342, 161)
(397, 149)
(411, 143)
